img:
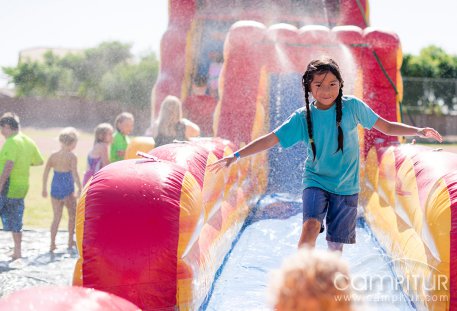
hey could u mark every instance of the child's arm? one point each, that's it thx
(192, 129)
(260, 144)
(74, 172)
(105, 154)
(45, 176)
(121, 153)
(37, 158)
(400, 129)
(7, 168)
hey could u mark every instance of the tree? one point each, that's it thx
(88, 69)
(106, 72)
(131, 83)
(430, 81)
(39, 79)
(432, 62)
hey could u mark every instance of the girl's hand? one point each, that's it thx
(44, 193)
(428, 132)
(224, 162)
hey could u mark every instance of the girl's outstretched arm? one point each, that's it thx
(260, 144)
(400, 129)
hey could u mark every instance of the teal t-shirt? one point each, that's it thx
(336, 172)
(23, 152)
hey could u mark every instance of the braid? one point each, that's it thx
(308, 116)
(339, 114)
(318, 66)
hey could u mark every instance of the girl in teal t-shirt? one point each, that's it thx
(328, 127)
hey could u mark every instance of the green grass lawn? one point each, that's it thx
(38, 210)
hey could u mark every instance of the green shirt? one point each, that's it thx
(120, 143)
(336, 172)
(23, 152)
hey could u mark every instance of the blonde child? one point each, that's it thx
(311, 279)
(124, 126)
(171, 125)
(98, 156)
(64, 162)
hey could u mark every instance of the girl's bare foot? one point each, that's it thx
(52, 248)
(15, 256)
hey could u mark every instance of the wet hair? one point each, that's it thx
(320, 66)
(10, 119)
(311, 279)
(100, 132)
(68, 136)
(121, 118)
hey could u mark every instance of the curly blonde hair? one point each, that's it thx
(311, 279)
(68, 136)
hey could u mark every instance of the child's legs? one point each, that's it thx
(341, 220)
(57, 207)
(315, 204)
(12, 212)
(70, 203)
(17, 238)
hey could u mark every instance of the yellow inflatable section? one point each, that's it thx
(408, 194)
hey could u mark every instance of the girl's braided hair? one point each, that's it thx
(321, 66)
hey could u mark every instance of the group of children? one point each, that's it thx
(327, 124)
(109, 146)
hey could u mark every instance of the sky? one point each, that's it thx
(78, 24)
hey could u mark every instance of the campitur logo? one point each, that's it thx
(423, 283)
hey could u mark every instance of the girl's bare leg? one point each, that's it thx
(310, 231)
(70, 203)
(57, 206)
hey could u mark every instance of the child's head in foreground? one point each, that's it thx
(311, 279)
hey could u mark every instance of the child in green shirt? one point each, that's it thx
(18, 153)
(124, 125)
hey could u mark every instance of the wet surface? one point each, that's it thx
(37, 266)
(271, 236)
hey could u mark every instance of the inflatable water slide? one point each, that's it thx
(165, 233)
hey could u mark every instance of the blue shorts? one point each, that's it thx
(12, 211)
(339, 211)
